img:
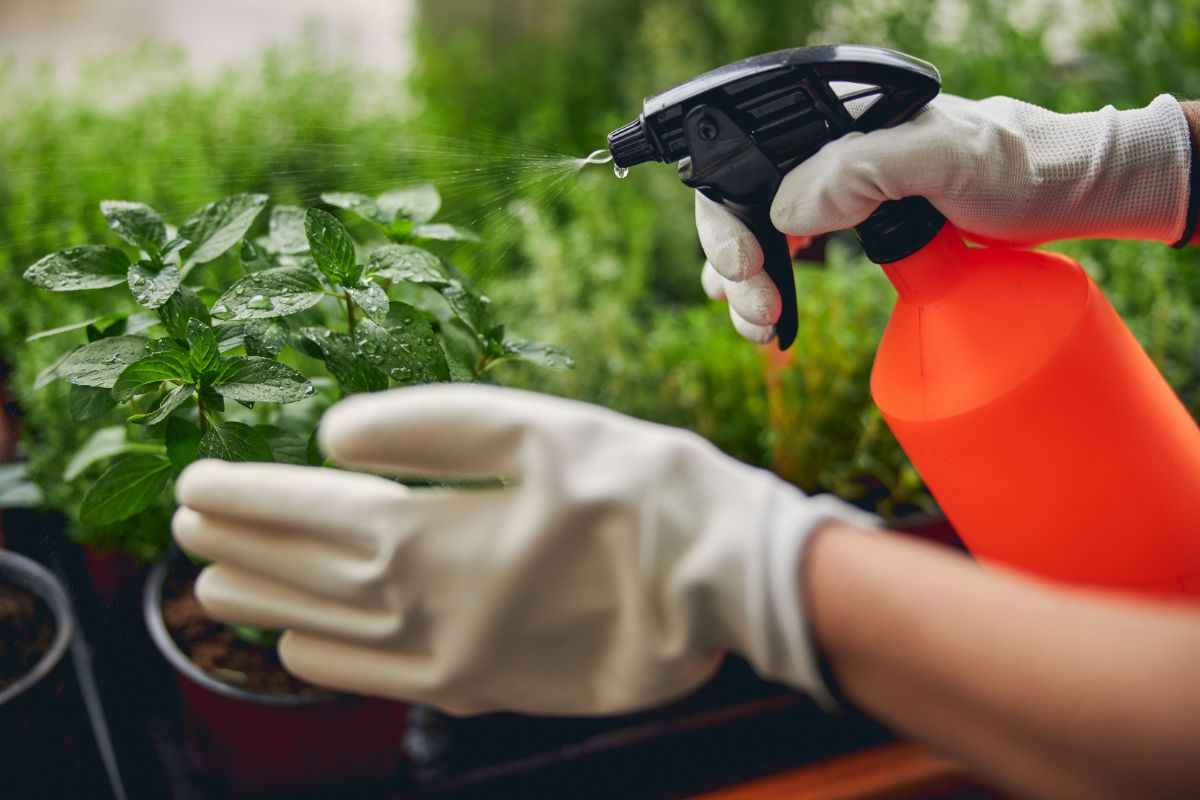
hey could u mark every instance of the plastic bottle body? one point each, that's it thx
(1045, 432)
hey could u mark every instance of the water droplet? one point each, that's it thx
(375, 358)
(401, 373)
(219, 308)
(620, 172)
(406, 320)
(309, 390)
(259, 302)
(483, 298)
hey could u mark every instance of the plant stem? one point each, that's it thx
(203, 415)
(349, 311)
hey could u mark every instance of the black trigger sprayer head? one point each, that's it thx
(631, 144)
(737, 130)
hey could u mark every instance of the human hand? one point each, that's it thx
(608, 573)
(1000, 170)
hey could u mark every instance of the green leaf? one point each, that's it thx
(88, 267)
(408, 352)
(86, 403)
(289, 447)
(342, 357)
(286, 233)
(234, 441)
(264, 337)
(371, 298)
(101, 446)
(75, 326)
(359, 204)
(181, 307)
(253, 379)
(219, 225)
(150, 285)
(402, 262)
(129, 486)
(331, 246)
(177, 397)
(202, 346)
(419, 203)
(183, 442)
(469, 308)
(147, 373)
(546, 355)
(444, 233)
(136, 223)
(101, 363)
(270, 293)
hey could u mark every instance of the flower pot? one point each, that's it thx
(257, 743)
(46, 744)
(115, 575)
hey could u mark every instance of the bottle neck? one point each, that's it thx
(933, 270)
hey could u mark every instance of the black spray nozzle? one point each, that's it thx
(737, 130)
(631, 144)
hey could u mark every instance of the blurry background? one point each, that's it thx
(177, 103)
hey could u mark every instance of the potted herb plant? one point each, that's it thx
(237, 361)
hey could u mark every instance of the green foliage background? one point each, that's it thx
(608, 269)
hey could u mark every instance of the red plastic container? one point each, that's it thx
(1041, 426)
(258, 744)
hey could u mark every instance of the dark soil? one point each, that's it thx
(26, 632)
(216, 649)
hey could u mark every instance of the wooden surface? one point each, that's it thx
(892, 772)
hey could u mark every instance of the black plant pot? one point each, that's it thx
(46, 744)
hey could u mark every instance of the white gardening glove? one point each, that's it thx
(1002, 171)
(610, 571)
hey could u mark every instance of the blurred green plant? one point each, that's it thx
(169, 362)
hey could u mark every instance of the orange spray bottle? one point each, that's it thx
(1039, 423)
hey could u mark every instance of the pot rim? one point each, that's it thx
(33, 577)
(152, 612)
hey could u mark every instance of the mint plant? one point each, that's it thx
(194, 370)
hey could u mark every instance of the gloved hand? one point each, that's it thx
(607, 574)
(1002, 171)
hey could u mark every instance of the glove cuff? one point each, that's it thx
(779, 642)
(1140, 167)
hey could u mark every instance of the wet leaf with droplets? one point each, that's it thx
(407, 352)
(371, 298)
(180, 307)
(346, 361)
(219, 225)
(203, 348)
(151, 286)
(540, 353)
(251, 379)
(77, 268)
(100, 363)
(136, 223)
(270, 293)
(331, 247)
(401, 262)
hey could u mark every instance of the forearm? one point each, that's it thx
(1191, 110)
(1052, 693)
